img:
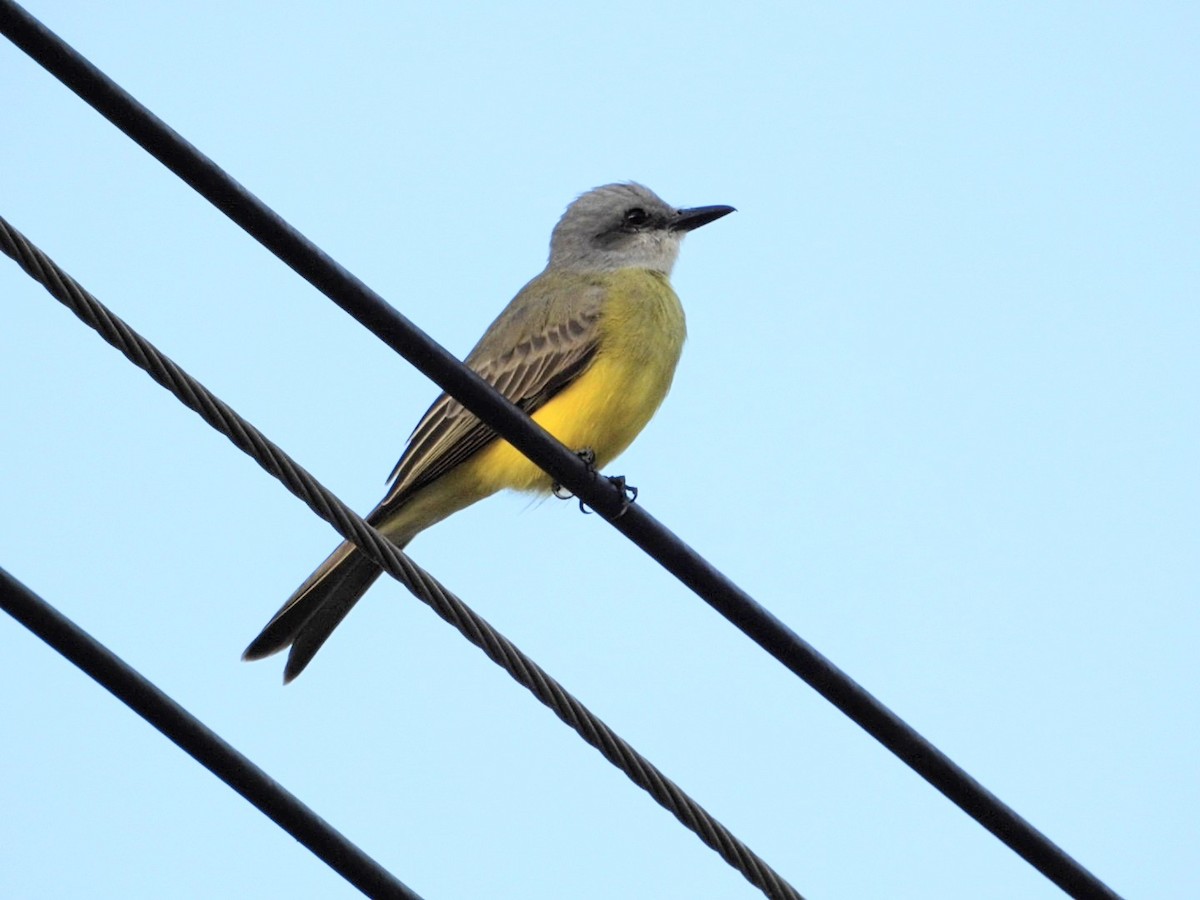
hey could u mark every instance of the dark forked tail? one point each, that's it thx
(309, 616)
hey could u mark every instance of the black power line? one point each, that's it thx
(424, 586)
(712, 586)
(195, 739)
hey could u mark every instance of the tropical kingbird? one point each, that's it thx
(588, 349)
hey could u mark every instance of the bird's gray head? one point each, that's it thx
(622, 226)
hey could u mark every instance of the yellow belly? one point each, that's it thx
(642, 331)
(641, 336)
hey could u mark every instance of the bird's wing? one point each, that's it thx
(547, 344)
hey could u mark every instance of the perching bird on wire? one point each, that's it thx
(588, 349)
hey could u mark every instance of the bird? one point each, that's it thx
(588, 349)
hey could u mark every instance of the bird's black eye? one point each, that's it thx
(636, 217)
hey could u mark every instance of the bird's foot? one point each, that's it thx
(588, 455)
(628, 492)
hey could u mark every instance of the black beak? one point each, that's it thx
(691, 219)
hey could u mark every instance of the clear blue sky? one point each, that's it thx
(937, 412)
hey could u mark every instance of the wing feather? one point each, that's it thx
(539, 345)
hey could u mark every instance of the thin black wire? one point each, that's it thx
(199, 742)
(424, 586)
(368, 308)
